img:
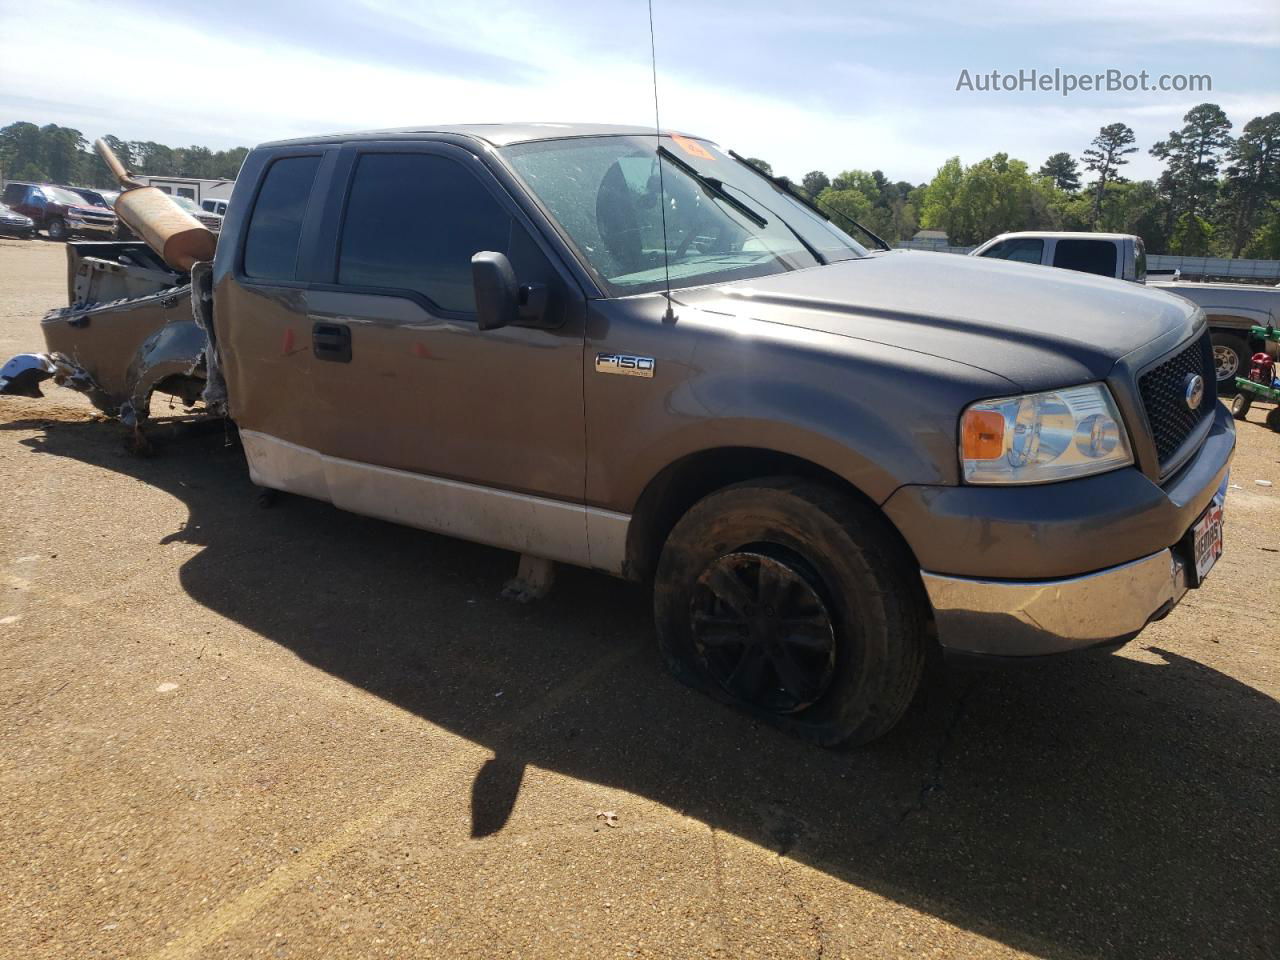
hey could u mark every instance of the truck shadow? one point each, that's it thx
(1096, 805)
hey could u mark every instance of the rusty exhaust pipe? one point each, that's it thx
(179, 238)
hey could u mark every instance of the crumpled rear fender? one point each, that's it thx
(175, 350)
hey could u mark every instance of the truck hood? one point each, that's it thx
(1036, 327)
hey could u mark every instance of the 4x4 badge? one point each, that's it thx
(624, 364)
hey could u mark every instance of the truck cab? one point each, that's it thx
(1118, 255)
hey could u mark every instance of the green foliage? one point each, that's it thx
(1252, 179)
(992, 196)
(1265, 244)
(762, 165)
(1104, 156)
(886, 209)
(814, 182)
(1189, 182)
(1191, 236)
(63, 155)
(1136, 208)
(1061, 168)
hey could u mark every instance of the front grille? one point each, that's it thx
(1164, 391)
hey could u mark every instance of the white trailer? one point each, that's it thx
(192, 188)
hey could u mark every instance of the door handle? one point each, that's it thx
(331, 341)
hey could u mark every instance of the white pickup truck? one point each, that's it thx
(1231, 308)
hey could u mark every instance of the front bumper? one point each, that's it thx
(1009, 618)
(89, 226)
(1025, 571)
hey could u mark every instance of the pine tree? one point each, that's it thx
(1252, 177)
(1191, 155)
(1105, 156)
(1064, 172)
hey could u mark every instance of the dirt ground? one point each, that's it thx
(230, 731)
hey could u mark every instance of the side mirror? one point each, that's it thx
(497, 295)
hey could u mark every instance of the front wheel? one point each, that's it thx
(797, 604)
(1240, 405)
(1230, 357)
(57, 229)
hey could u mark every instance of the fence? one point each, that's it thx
(1190, 266)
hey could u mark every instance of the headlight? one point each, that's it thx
(1041, 437)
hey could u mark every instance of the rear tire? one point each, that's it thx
(57, 229)
(825, 634)
(1273, 419)
(1240, 405)
(1230, 359)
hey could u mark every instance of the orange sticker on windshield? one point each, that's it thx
(691, 147)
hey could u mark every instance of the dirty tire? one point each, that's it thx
(57, 229)
(853, 560)
(1230, 359)
(1273, 419)
(1240, 405)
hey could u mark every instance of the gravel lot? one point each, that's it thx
(231, 731)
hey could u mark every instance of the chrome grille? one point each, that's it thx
(1164, 389)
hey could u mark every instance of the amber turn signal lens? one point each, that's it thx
(982, 435)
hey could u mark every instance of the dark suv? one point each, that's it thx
(59, 211)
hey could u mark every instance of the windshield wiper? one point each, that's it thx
(813, 251)
(789, 189)
(712, 186)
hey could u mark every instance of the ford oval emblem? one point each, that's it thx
(1194, 392)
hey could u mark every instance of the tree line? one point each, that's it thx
(1218, 195)
(54, 154)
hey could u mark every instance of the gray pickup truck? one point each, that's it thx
(1232, 309)
(644, 356)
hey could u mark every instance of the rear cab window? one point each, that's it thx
(1086, 256)
(275, 225)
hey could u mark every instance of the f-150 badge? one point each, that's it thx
(624, 364)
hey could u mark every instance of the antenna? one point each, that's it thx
(670, 315)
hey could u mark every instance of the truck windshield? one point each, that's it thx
(61, 195)
(723, 221)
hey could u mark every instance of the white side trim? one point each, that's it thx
(541, 527)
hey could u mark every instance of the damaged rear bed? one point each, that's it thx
(129, 331)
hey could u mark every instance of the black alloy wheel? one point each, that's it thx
(762, 632)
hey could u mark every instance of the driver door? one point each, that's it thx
(422, 417)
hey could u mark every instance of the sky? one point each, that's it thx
(821, 85)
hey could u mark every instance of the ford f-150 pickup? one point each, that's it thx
(598, 346)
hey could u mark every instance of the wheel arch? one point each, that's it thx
(678, 486)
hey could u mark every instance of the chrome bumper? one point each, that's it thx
(79, 226)
(1011, 618)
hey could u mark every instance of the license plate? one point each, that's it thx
(1206, 539)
